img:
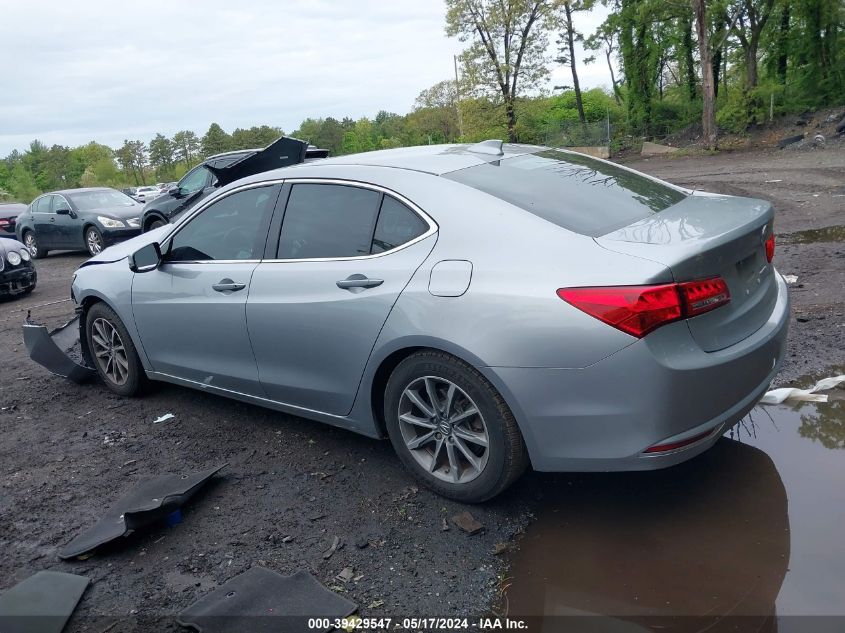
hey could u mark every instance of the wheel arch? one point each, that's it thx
(153, 215)
(85, 304)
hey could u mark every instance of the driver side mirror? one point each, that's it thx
(145, 259)
(63, 211)
(176, 192)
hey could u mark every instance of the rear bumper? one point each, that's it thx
(660, 390)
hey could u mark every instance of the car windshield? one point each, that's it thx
(576, 192)
(101, 199)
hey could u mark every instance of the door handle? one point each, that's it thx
(227, 285)
(52, 219)
(360, 282)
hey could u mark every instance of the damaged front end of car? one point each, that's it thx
(60, 350)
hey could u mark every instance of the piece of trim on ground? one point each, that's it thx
(42, 603)
(50, 349)
(152, 500)
(262, 600)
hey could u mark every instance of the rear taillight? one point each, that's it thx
(637, 310)
(770, 248)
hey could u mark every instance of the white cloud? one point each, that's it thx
(104, 70)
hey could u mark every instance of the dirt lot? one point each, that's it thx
(291, 486)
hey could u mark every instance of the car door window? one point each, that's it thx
(59, 203)
(396, 225)
(232, 228)
(43, 205)
(323, 220)
(195, 180)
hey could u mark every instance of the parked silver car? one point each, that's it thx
(486, 307)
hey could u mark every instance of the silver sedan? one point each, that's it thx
(487, 307)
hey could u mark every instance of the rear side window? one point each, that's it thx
(396, 225)
(576, 192)
(42, 205)
(323, 220)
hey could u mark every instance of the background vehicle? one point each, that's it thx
(146, 193)
(17, 272)
(73, 219)
(480, 305)
(9, 213)
(222, 169)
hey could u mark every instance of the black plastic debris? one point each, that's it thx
(42, 603)
(789, 140)
(51, 349)
(260, 600)
(150, 501)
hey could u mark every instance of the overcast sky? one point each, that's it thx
(106, 71)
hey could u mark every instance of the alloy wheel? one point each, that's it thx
(95, 244)
(443, 429)
(109, 351)
(31, 244)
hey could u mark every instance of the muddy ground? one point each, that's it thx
(291, 486)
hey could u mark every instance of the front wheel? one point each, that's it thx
(451, 428)
(93, 240)
(155, 224)
(113, 352)
(30, 241)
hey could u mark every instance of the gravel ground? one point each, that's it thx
(292, 486)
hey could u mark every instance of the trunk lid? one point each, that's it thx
(707, 235)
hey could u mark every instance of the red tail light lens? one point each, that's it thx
(637, 310)
(703, 295)
(770, 248)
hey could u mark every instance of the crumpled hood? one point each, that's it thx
(123, 250)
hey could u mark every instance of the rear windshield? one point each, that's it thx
(576, 192)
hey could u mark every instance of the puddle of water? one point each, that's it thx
(813, 236)
(742, 537)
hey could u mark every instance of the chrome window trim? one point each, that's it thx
(432, 225)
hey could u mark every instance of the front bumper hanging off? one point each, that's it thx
(58, 350)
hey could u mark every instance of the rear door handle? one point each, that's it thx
(227, 285)
(360, 282)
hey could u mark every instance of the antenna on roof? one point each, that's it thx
(493, 146)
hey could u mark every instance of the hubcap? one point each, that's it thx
(94, 243)
(443, 429)
(31, 244)
(109, 351)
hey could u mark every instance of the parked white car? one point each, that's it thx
(145, 194)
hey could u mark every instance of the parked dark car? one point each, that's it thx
(17, 272)
(74, 219)
(221, 169)
(9, 213)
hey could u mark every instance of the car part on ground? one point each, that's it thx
(17, 271)
(464, 252)
(42, 603)
(776, 396)
(52, 349)
(261, 599)
(149, 502)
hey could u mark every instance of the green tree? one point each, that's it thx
(570, 35)
(186, 146)
(215, 141)
(22, 183)
(162, 154)
(507, 53)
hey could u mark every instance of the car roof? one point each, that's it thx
(77, 190)
(435, 159)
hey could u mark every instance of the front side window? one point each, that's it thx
(232, 228)
(323, 220)
(194, 181)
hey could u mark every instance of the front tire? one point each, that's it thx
(451, 428)
(93, 240)
(113, 352)
(155, 224)
(30, 241)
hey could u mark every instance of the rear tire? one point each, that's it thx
(155, 224)
(112, 351)
(30, 240)
(452, 430)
